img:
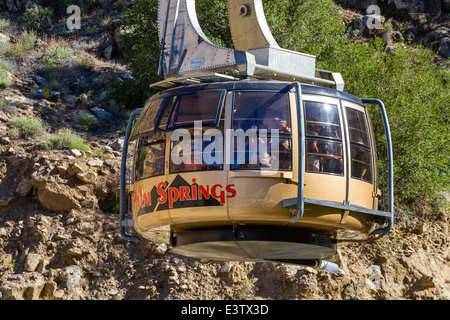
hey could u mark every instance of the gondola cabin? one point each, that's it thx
(254, 168)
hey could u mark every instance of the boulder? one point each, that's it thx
(72, 276)
(108, 52)
(87, 118)
(84, 102)
(69, 100)
(96, 163)
(27, 286)
(444, 47)
(39, 80)
(5, 140)
(119, 33)
(56, 198)
(87, 177)
(55, 96)
(24, 187)
(32, 261)
(117, 145)
(5, 201)
(74, 169)
(3, 116)
(102, 114)
(76, 153)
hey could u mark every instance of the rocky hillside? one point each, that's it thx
(58, 200)
(420, 22)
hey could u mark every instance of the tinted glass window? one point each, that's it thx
(262, 110)
(322, 120)
(324, 156)
(150, 159)
(202, 154)
(357, 126)
(256, 153)
(361, 163)
(149, 117)
(324, 151)
(202, 106)
(359, 145)
(262, 126)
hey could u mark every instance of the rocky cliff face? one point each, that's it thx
(58, 207)
(402, 9)
(425, 23)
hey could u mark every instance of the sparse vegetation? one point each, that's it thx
(55, 55)
(37, 18)
(2, 103)
(23, 45)
(5, 73)
(85, 61)
(64, 139)
(27, 127)
(84, 5)
(86, 121)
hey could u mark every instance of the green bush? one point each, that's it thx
(37, 18)
(26, 127)
(85, 61)
(64, 139)
(55, 55)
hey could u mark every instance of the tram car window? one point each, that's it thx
(357, 126)
(257, 114)
(204, 106)
(205, 154)
(151, 114)
(323, 138)
(359, 145)
(150, 159)
(262, 110)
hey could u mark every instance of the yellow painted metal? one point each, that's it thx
(248, 25)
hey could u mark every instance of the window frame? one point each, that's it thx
(353, 144)
(164, 142)
(208, 123)
(281, 135)
(308, 137)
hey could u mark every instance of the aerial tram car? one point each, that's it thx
(251, 153)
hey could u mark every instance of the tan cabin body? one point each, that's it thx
(235, 202)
